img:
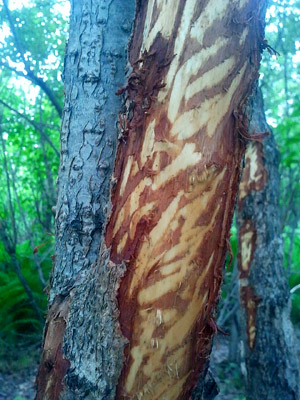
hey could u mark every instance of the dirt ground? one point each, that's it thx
(18, 383)
(227, 375)
(16, 386)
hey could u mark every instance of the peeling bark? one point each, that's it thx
(270, 347)
(53, 365)
(175, 181)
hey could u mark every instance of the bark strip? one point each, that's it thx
(53, 364)
(175, 181)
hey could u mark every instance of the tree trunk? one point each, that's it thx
(83, 310)
(132, 305)
(270, 347)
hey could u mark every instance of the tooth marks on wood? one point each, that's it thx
(178, 170)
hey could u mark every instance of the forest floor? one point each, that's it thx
(226, 373)
(17, 377)
(18, 368)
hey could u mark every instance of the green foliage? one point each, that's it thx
(17, 319)
(41, 33)
(280, 80)
(29, 126)
(230, 379)
(295, 306)
(294, 277)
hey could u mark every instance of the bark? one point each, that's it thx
(82, 304)
(159, 260)
(270, 347)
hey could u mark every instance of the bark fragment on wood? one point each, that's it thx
(93, 340)
(176, 177)
(254, 174)
(247, 245)
(53, 366)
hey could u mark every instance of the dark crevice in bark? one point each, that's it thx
(207, 388)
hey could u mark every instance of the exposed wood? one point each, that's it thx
(53, 365)
(192, 67)
(175, 182)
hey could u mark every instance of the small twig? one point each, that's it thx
(10, 202)
(30, 75)
(259, 136)
(293, 290)
(34, 124)
(39, 82)
(270, 49)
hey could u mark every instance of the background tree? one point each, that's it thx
(179, 154)
(269, 342)
(277, 73)
(282, 111)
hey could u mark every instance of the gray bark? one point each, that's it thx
(95, 62)
(272, 363)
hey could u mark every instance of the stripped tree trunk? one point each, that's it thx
(138, 323)
(270, 347)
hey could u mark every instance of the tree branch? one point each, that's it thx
(34, 124)
(11, 209)
(30, 75)
(293, 290)
(15, 35)
(39, 82)
(28, 231)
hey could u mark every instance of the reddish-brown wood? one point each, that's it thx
(176, 177)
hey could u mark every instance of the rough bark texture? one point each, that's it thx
(270, 347)
(87, 338)
(176, 177)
